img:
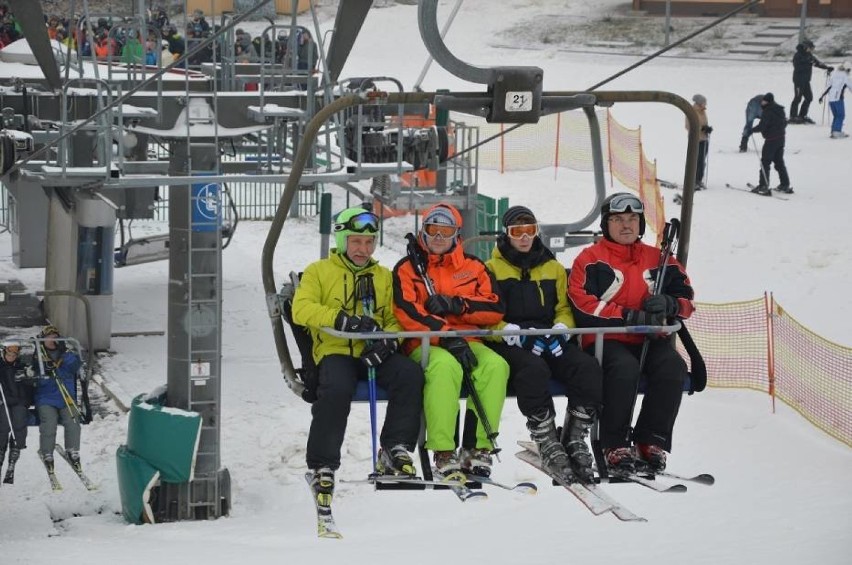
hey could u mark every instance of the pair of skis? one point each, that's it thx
(599, 502)
(751, 187)
(54, 480)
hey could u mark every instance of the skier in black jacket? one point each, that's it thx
(16, 398)
(803, 63)
(773, 127)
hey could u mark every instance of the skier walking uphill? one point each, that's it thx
(14, 415)
(837, 82)
(773, 127)
(803, 63)
(462, 296)
(326, 297)
(533, 286)
(55, 396)
(611, 284)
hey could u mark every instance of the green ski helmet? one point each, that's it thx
(353, 221)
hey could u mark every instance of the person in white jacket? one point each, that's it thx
(837, 82)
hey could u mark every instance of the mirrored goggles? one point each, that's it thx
(522, 230)
(443, 230)
(626, 203)
(366, 222)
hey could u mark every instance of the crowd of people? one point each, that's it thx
(122, 39)
(439, 287)
(47, 384)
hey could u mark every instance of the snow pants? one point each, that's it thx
(838, 113)
(442, 389)
(703, 147)
(51, 416)
(801, 93)
(338, 376)
(773, 153)
(529, 375)
(665, 372)
(19, 416)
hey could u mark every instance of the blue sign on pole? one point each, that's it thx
(206, 214)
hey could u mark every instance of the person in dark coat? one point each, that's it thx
(803, 63)
(16, 399)
(773, 127)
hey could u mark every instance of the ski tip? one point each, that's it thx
(676, 488)
(705, 479)
(526, 488)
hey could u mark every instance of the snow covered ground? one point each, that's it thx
(782, 494)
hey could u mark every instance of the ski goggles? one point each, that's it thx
(443, 230)
(13, 349)
(520, 231)
(366, 222)
(626, 203)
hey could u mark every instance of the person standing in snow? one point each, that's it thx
(464, 298)
(700, 106)
(773, 128)
(837, 83)
(56, 395)
(803, 63)
(754, 110)
(15, 400)
(533, 286)
(609, 286)
(327, 297)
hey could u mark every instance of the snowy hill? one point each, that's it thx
(782, 494)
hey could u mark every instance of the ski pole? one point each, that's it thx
(764, 174)
(670, 234)
(420, 268)
(366, 292)
(8, 418)
(70, 403)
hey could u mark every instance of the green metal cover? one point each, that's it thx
(165, 437)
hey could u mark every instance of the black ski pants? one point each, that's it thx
(773, 153)
(338, 376)
(802, 93)
(665, 372)
(529, 375)
(703, 146)
(19, 416)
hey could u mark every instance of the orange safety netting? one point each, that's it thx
(564, 140)
(744, 347)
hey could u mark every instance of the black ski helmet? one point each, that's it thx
(619, 203)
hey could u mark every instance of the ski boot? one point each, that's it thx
(550, 450)
(447, 463)
(620, 460)
(395, 461)
(323, 486)
(653, 456)
(74, 460)
(476, 462)
(785, 188)
(744, 145)
(578, 421)
(762, 190)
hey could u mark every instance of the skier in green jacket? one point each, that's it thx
(327, 297)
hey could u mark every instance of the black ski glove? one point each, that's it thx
(662, 304)
(441, 305)
(642, 318)
(377, 352)
(353, 323)
(459, 349)
(707, 129)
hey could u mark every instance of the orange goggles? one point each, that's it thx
(13, 349)
(435, 230)
(521, 230)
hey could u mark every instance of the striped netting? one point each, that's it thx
(743, 347)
